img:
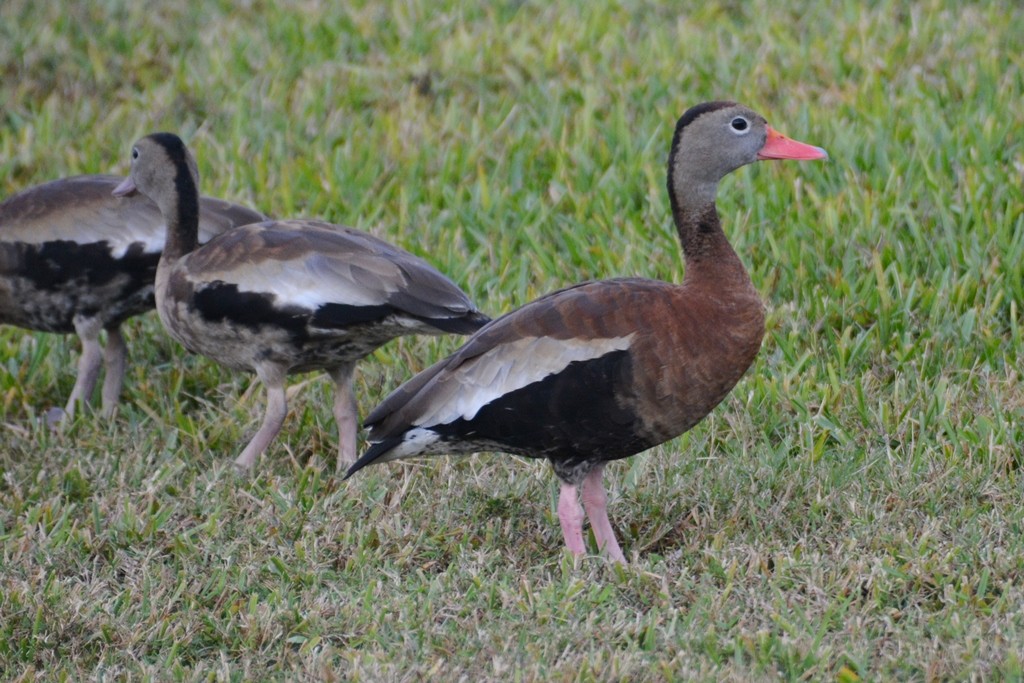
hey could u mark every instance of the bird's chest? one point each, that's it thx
(688, 368)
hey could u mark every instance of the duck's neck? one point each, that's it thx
(181, 213)
(706, 250)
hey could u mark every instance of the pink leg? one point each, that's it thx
(273, 418)
(115, 357)
(345, 414)
(595, 502)
(89, 363)
(571, 516)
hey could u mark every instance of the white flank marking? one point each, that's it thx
(506, 368)
(414, 442)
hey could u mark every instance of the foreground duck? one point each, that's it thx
(75, 259)
(281, 297)
(604, 370)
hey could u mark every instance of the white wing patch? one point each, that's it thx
(294, 283)
(121, 223)
(504, 369)
(88, 224)
(151, 236)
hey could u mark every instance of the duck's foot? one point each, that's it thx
(54, 417)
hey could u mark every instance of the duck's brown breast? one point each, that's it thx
(700, 344)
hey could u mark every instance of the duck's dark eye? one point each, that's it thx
(135, 152)
(739, 124)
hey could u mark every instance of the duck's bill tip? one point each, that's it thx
(778, 146)
(126, 187)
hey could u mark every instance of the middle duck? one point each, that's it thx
(287, 296)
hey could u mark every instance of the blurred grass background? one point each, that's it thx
(851, 511)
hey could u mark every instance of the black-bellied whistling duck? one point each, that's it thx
(286, 296)
(75, 259)
(604, 370)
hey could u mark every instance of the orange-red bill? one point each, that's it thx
(778, 146)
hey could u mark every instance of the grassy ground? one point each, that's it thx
(853, 510)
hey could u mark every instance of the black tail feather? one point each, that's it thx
(373, 452)
(467, 324)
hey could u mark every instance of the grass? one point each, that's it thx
(852, 511)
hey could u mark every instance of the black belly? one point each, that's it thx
(46, 285)
(576, 418)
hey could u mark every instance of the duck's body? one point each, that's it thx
(281, 297)
(304, 295)
(547, 382)
(73, 258)
(604, 370)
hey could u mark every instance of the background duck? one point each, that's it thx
(286, 296)
(73, 258)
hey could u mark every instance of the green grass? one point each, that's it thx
(852, 510)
